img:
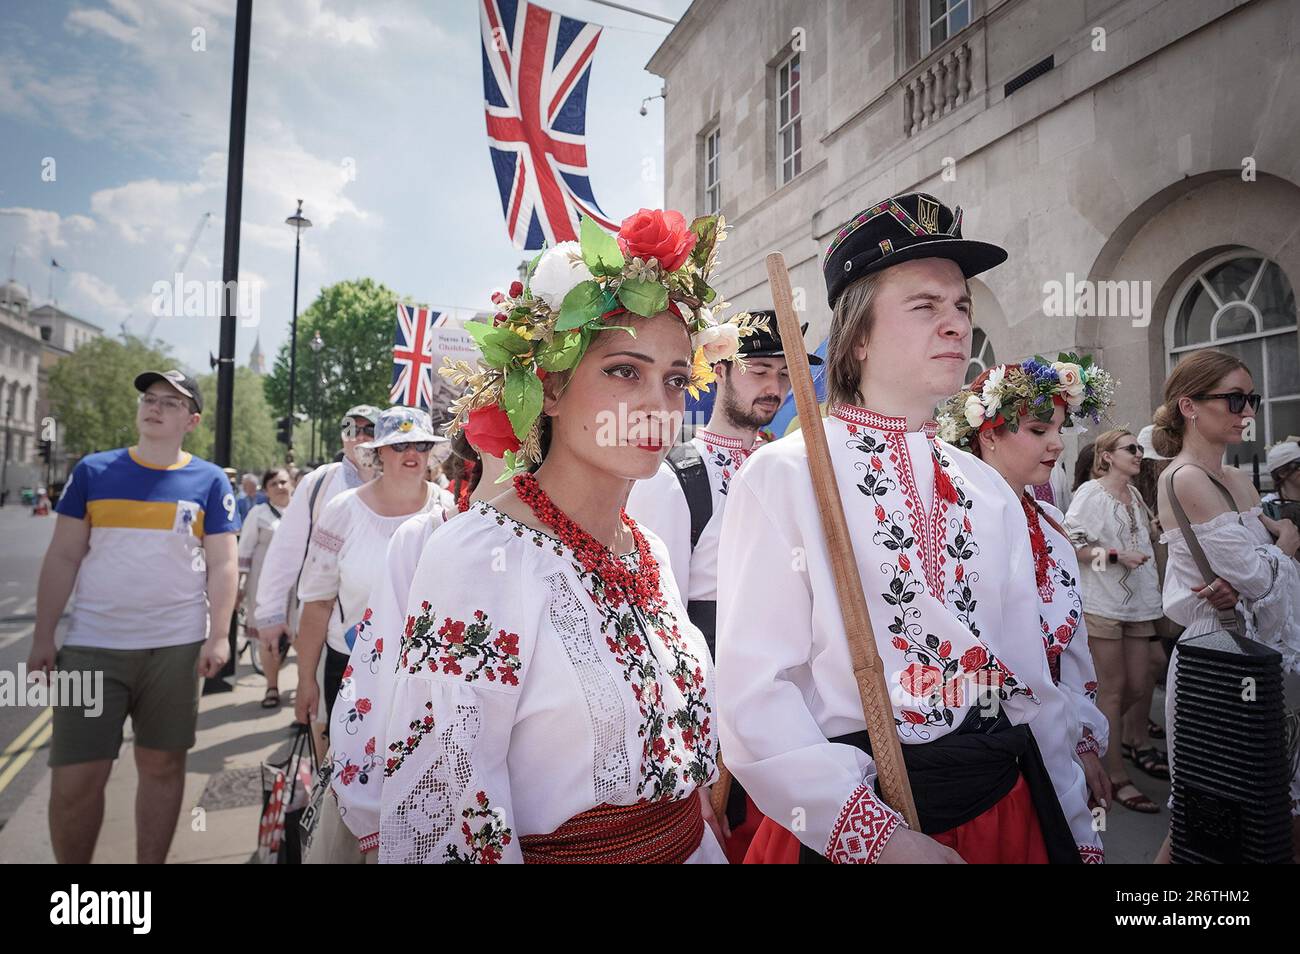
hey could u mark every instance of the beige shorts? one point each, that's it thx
(1100, 627)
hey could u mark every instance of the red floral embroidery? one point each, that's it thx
(456, 642)
(485, 842)
(417, 730)
(863, 828)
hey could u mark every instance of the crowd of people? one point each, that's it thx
(571, 644)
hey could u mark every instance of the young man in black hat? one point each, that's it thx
(147, 534)
(942, 549)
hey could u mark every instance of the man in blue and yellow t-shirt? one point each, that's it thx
(147, 534)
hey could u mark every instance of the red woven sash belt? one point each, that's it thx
(654, 833)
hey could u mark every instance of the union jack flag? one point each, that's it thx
(413, 357)
(536, 65)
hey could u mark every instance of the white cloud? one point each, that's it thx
(44, 228)
(86, 293)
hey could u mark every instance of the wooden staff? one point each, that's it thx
(872, 689)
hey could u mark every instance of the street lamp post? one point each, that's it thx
(4, 468)
(316, 345)
(298, 222)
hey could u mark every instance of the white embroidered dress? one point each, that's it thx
(949, 585)
(365, 694)
(521, 699)
(660, 504)
(1239, 549)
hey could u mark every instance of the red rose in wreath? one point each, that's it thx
(657, 233)
(489, 431)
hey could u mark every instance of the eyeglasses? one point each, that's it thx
(1236, 400)
(358, 430)
(1134, 449)
(420, 447)
(164, 401)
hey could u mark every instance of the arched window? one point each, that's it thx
(981, 355)
(1241, 302)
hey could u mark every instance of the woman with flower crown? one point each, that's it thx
(1011, 418)
(552, 702)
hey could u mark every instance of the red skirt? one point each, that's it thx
(1006, 834)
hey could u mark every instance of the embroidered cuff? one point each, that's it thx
(1091, 855)
(860, 833)
(275, 619)
(371, 843)
(1088, 744)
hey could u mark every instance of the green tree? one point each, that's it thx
(92, 396)
(253, 446)
(355, 319)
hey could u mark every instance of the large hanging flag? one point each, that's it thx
(413, 357)
(536, 65)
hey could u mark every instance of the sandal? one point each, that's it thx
(1155, 731)
(1150, 760)
(272, 698)
(1135, 803)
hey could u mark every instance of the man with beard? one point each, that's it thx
(683, 502)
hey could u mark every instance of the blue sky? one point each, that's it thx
(136, 122)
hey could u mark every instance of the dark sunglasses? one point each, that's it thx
(1236, 400)
(359, 430)
(420, 447)
(1134, 449)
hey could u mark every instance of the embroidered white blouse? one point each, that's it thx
(521, 699)
(660, 504)
(943, 550)
(1065, 635)
(255, 538)
(1115, 591)
(346, 557)
(365, 694)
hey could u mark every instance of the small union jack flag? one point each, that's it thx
(536, 65)
(413, 357)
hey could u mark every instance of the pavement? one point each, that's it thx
(223, 800)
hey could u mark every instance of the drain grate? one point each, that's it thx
(234, 788)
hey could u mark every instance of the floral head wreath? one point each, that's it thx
(656, 263)
(1006, 393)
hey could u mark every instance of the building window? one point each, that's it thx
(981, 355)
(941, 20)
(789, 126)
(713, 171)
(1242, 303)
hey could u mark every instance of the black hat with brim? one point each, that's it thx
(767, 344)
(902, 229)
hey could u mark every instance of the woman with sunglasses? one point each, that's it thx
(1209, 399)
(1110, 528)
(348, 546)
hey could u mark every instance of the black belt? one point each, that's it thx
(966, 772)
(704, 614)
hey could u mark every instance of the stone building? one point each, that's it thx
(1145, 150)
(20, 361)
(61, 334)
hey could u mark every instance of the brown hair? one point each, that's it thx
(1082, 467)
(851, 323)
(1107, 442)
(1195, 374)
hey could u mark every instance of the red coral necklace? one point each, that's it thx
(639, 589)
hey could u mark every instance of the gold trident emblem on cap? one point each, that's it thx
(927, 213)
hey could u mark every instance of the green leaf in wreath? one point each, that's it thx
(643, 298)
(562, 353)
(507, 340)
(599, 249)
(580, 305)
(523, 400)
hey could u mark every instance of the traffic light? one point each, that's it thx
(284, 434)
(45, 449)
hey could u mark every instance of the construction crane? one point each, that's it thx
(177, 293)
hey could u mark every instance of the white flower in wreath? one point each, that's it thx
(719, 342)
(558, 272)
(1072, 385)
(974, 410)
(991, 385)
